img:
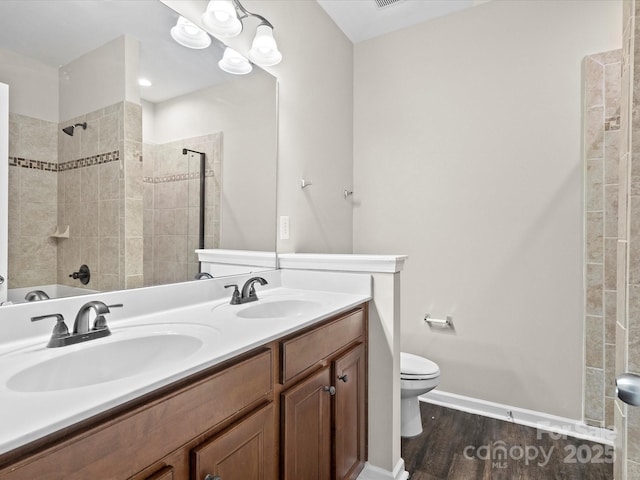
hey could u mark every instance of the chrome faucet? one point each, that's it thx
(36, 295)
(61, 337)
(248, 291)
(81, 324)
(201, 275)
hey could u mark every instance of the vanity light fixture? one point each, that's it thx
(189, 35)
(233, 62)
(264, 51)
(223, 18)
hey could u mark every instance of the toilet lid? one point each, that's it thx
(414, 366)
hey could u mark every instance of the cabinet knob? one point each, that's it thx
(331, 390)
(1, 279)
(344, 378)
(212, 477)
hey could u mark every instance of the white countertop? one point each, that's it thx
(27, 416)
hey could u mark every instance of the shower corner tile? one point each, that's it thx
(594, 394)
(633, 435)
(594, 77)
(594, 137)
(612, 156)
(610, 316)
(595, 182)
(611, 198)
(609, 410)
(594, 293)
(621, 354)
(594, 342)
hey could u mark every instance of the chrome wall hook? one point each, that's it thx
(305, 183)
(347, 193)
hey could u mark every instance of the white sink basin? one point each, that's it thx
(126, 353)
(279, 308)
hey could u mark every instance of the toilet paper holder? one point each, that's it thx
(447, 323)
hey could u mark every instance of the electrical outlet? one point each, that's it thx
(284, 227)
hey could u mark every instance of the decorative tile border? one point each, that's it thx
(34, 164)
(90, 161)
(70, 165)
(612, 123)
(177, 178)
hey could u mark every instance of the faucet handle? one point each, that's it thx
(235, 297)
(60, 330)
(100, 323)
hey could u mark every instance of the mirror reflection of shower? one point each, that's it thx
(182, 205)
(69, 130)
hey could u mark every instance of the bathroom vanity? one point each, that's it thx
(292, 406)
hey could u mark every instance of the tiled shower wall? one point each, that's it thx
(132, 219)
(33, 198)
(171, 206)
(627, 419)
(602, 136)
(92, 182)
(89, 198)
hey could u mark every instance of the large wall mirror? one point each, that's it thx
(106, 173)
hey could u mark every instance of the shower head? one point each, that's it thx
(69, 130)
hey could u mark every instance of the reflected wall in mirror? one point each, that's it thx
(97, 173)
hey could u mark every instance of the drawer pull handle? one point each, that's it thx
(212, 477)
(331, 390)
(344, 378)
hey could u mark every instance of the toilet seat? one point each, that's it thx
(414, 367)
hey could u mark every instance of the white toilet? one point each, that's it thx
(417, 376)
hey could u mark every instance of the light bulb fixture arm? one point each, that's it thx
(246, 13)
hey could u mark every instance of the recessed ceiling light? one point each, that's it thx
(143, 82)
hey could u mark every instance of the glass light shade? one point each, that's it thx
(264, 51)
(233, 62)
(221, 19)
(189, 35)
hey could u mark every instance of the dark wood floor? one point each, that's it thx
(460, 446)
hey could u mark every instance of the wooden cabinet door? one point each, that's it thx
(247, 451)
(306, 428)
(350, 413)
(165, 473)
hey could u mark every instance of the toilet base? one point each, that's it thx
(410, 418)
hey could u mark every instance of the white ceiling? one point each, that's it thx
(56, 32)
(363, 19)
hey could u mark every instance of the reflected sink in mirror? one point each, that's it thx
(120, 356)
(279, 309)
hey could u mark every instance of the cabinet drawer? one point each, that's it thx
(308, 349)
(157, 428)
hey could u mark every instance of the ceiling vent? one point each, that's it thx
(386, 3)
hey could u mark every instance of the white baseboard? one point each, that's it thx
(369, 472)
(560, 426)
